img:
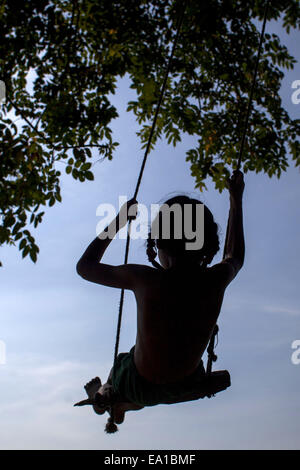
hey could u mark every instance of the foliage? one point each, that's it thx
(74, 52)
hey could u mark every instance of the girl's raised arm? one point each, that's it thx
(90, 267)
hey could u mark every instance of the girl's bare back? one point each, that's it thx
(176, 311)
(177, 305)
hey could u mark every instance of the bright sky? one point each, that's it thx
(59, 330)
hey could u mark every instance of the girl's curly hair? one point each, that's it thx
(176, 247)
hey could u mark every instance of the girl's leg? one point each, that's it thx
(121, 408)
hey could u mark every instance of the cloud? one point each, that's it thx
(36, 403)
(283, 310)
(36, 406)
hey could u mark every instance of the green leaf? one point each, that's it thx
(71, 101)
(86, 166)
(33, 255)
(25, 251)
(89, 175)
(22, 244)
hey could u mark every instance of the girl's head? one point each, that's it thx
(174, 248)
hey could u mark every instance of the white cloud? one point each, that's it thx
(283, 310)
(36, 406)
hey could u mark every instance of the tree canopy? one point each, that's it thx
(75, 52)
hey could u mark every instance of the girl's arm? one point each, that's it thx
(89, 266)
(235, 246)
(234, 251)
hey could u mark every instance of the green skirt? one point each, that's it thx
(131, 386)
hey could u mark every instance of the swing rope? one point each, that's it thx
(211, 356)
(262, 34)
(110, 423)
(210, 350)
(162, 91)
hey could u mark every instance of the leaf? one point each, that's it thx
(89, 175)
(33, 255)
(75, 173)
(18, 236)
(25, 251)
(72, 103)
(22, 244)
(86, 166)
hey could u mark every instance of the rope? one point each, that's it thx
(162, 91)
(212, 356)
(210, 349)
(250, 101)
(253, 85)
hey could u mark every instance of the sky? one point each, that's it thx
(59, 330)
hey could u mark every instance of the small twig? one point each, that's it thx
(80, 146)
(53, 147)
(40, 117)
(99, 161)
(29, 123)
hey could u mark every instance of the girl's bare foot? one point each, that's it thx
(100, 397)
(91, 389)
(103, 395)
